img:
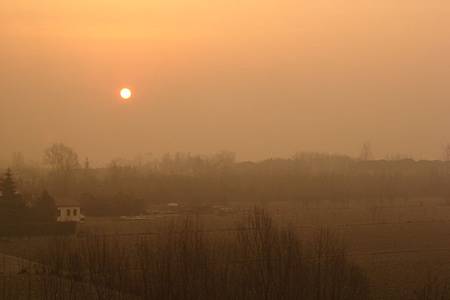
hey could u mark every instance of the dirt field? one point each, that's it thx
(398, 246)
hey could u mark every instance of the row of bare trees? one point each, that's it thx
(308, 178)
(261, 259)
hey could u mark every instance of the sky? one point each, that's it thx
(264, 78)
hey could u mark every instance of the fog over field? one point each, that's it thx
(245, 150)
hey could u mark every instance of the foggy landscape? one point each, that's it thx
(192, 149)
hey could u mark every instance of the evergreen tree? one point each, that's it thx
(7, 186)
(12, 208)
(44, 210)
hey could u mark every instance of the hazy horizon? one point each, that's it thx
(260, 78)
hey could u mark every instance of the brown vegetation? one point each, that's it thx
(259, 260)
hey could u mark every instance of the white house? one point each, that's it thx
(68, 211)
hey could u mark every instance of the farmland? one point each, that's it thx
(400, 247)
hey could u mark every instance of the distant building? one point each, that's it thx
(68, 211)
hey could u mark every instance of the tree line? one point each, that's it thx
(129, 186)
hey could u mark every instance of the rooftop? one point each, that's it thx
(61, 202)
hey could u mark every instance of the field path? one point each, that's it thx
(10, 265)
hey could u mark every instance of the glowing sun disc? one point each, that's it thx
(125, 93)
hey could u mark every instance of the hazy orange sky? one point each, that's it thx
(261, 78)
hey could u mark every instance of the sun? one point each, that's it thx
(125, 93)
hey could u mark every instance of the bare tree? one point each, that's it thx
(366, 152)
(63, 161)
(61, 158)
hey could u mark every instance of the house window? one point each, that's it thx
(59, 212)
(68, 212)
(75, 212)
